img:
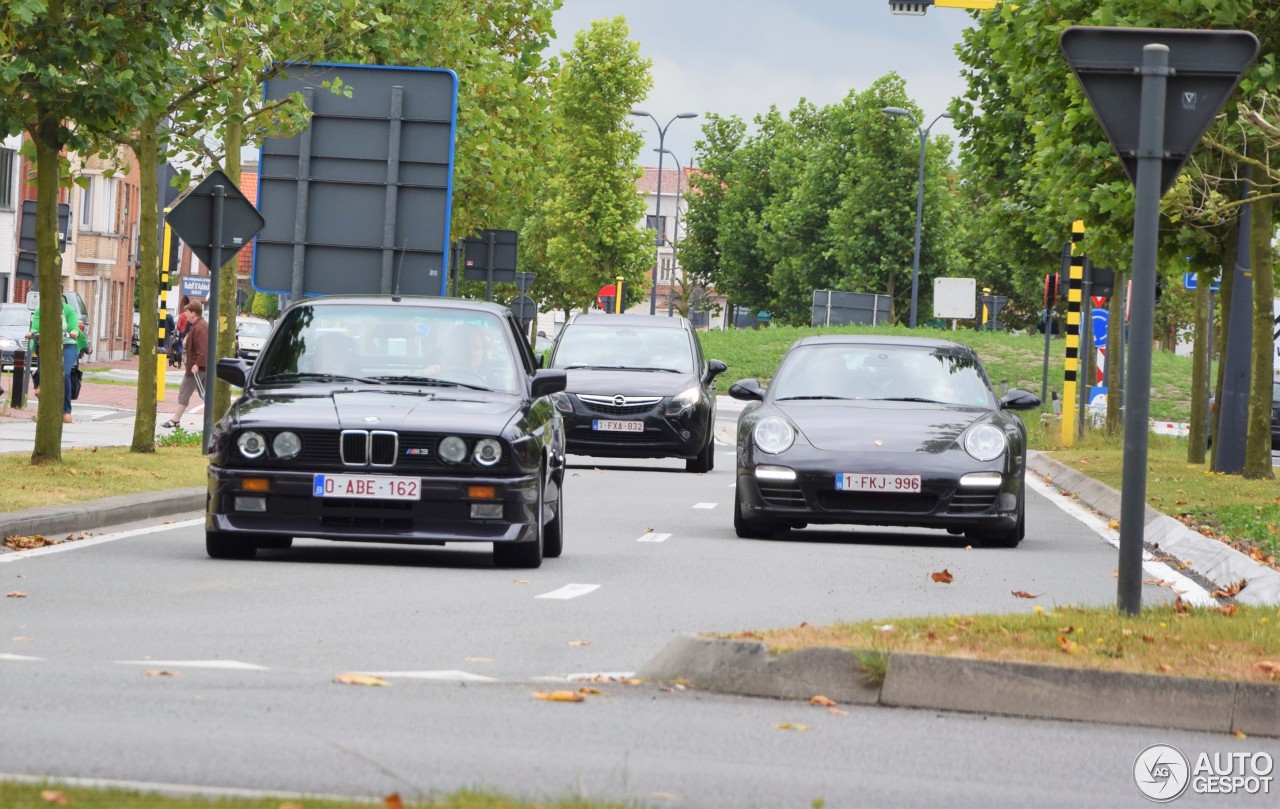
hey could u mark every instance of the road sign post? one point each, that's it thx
(1118, 67)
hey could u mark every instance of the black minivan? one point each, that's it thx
(638, 387)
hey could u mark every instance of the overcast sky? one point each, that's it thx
(738, 57)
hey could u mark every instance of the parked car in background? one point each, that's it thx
(638, 387)
(251, 334)
(15, 322)
(881, 430)
(371, 419)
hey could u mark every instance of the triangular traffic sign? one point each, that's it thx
(1205, 67)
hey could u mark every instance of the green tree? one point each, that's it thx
(72, 74)
(584, 233)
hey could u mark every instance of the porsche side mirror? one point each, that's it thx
(748, 390)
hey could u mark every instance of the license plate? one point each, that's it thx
(366, 487)
(860, 482)
(618, 426)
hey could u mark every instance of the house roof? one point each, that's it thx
(647, 183)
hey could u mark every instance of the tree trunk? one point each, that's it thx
(1257, 451)
(1229, 258)
(48, 444)
(144, 423)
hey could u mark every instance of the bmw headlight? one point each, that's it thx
(985, 442)
(8, 344)
(561, 400)
(684, 401)
(773, 435)
(252, 445)
(488, 452)
(286, 445)
(453, 449)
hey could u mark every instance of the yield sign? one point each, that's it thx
(192, 218)
(1204, 69)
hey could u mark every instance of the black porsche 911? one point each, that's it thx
(875, 430)
(405, 420)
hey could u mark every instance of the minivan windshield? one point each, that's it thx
(15, 315)
(588, 345)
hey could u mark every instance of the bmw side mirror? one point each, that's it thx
(233, 371)
(748, 390)
(547, 382)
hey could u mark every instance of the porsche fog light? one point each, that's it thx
(984, 442)
(286, 445)
(982, 480)
(683, 402)
(773, 435)
(775, 473)
(487, 453)
(252, 445)
(453, 449)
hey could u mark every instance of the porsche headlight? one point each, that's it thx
(488, 452)
(252, 445)
(773, 435)
(985, 442)
(286, 445)
(684, 401)
(453, 449)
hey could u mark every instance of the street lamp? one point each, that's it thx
(915, 258)
(657, 209)
(675, 231)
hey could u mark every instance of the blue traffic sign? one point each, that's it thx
(1189, 282)
(1100, 319)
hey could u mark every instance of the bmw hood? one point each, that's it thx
(881, 426)
(630, 383)
(399, 410)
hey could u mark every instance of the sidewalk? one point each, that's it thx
(104, 413)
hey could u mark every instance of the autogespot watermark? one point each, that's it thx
(1162, 773)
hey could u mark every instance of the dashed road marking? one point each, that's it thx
(21, 658)
(441, 675)
(570, 591)
(228, 665)
(704, 505)
(654, 537)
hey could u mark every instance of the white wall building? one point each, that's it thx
(10, 203)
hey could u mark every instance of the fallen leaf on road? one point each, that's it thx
(20, 638)
(158, 673)
(944, 576)
(521, 581)
(393, 801)
(559, 696)
(837, 712)
(792, 726)
(1230, 591)
(825, 702)
(589, 691)
(53, 796)
(478, 659)
(1239, 734)
(1158, 582)
(15, 594)
(579, 643)
(351, 678)
(1025, 594)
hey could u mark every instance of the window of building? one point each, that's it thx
(664, 270)
(657, 223)
(98, 212)
(8, 165)
(86, 205)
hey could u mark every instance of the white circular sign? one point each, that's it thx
(1161, 772)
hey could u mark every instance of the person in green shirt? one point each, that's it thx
(73, 341)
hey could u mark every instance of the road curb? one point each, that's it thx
(1216, 561)
(970, 686)
(94, 514)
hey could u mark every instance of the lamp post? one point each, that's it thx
(657, 208)
(675, 232)
(915, 258)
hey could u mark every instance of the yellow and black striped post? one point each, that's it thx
(1075, 297)
(617, 301)
(162, 359)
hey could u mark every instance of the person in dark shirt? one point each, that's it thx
(196, 350)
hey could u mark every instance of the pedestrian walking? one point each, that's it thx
(196, 352)
(73, 339)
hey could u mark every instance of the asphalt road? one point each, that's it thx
(134, 657)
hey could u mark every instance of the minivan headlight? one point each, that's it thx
(684, 401)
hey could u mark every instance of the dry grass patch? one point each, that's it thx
(88, 474)
(1229, 643)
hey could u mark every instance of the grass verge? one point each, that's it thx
(1235, 642)
(45, 796)
(89, 474)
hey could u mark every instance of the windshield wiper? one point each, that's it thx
(311, 376)
(430, 380)
(911, 399)
(806, 398)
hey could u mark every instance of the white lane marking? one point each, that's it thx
(570, 591)
(446, 675)
(603, 677)
(1190, 591)
(704, 505)
(172, 788)
(234, 665)
(653, 537)
(73, 544)
(21, 658)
